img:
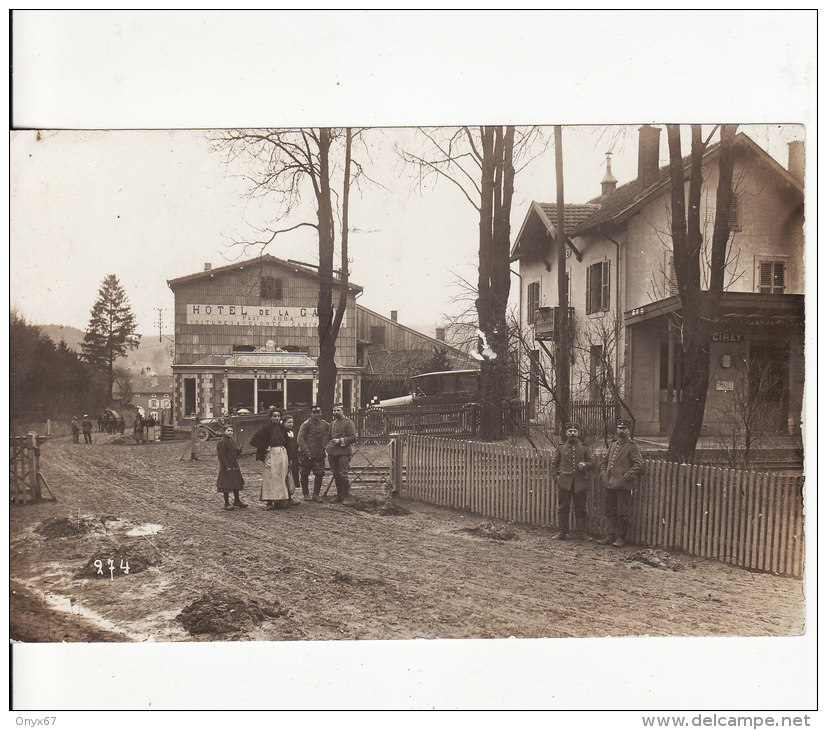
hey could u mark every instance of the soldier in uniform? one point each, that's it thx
(312, 438)
(570, 465)
(621, 468)
(339, 451)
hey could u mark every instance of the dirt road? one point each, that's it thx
(325, 571)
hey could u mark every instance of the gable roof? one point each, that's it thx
(629, 198)
(574, 215)
(258, 261)
(454, 352)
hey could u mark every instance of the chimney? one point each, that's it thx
(647, 155)
(207, 266)
(394, 314)
(440, 334)
(609, 182)
(795, 159)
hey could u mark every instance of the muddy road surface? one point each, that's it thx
(184, 569)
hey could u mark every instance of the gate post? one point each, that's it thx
(34, 466)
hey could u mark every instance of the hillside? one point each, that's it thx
(150, 353)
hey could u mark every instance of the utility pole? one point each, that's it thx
(160, 311)
(562, 324)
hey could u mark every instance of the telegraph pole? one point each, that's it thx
(160, 311)
(562, 324)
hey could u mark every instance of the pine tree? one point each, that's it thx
(111, 330)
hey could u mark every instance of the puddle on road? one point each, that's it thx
(147, 528)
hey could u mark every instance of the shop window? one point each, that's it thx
(377, 335)
(270, 288)
(597, 287)
(771, 277)
(532, 301)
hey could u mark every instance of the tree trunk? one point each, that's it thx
(699, 309)
(494, 283)
(327, 340)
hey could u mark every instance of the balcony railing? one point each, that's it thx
(545, 323)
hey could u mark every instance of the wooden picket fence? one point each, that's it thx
(26, 483)
(749, 519)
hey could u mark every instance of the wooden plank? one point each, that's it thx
(752, 513)
(720, 510)
(659, 507)
(771, 560)
(706, 493)
(765, 522)
(671, 488)
(789, 529)
(799, 533)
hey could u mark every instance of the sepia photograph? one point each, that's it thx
(277, 386)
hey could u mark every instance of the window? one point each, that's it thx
(771, 277)
(377, 334)
(735, 222)
(270, 288)
(153, 403)
(734, 214)
(532, 301)
(597, 287)
(190, 405)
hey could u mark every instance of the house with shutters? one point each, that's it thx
(624, 308)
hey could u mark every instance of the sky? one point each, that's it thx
(153, 205)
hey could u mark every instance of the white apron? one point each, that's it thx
(273, 484)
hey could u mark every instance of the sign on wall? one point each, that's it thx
(244, 315)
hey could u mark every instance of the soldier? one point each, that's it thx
(86, 425)
(570, 465)
(621, 468)
(312, 438)
(339, 451)
(75, 430)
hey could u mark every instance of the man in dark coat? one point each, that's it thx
(571, 464)
(86, 425)
(621, 468)
(339, 451)
(229, 473)
(313, 436)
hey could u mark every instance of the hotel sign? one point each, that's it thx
(244, 315)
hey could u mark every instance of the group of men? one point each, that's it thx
(85, 425)
(619, 470)
(318, 439)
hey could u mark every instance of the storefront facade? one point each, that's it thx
(246, 338)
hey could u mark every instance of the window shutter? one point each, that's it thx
(588, 290)
(604, 304)
(778, 277)
(765, 277)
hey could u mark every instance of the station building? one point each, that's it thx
(623, 292)
(246, 338)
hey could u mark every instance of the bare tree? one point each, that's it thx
(288, 164)
(600, 380)
(699, 307)
(123, 379)
(480, 162)
(748, 414)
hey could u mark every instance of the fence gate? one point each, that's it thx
(25, 480)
